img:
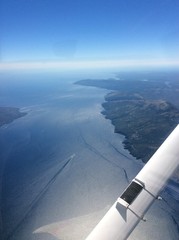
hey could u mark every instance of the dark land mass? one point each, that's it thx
(9, 114)
(145, 112)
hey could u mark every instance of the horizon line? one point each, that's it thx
(90, 64)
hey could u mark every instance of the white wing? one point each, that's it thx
(131, 206)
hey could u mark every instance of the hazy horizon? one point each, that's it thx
(89, 33)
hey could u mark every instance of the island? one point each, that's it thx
(145, 112)
(9, 114)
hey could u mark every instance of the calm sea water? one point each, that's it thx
(32, 148)
(62, 160)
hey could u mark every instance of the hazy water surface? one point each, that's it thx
(62, 160)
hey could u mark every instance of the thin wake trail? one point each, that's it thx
(122, 154)
(94, 150)
(39, 197)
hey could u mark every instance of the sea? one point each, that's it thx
(61, 165)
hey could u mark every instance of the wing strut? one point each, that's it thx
(131, 206)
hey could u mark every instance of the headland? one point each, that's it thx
(140, 110)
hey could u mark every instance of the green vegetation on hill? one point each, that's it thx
(144, 123)
(141, 111)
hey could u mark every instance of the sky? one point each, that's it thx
(79, 31)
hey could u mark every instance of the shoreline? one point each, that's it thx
(9, 114)
(143, 118)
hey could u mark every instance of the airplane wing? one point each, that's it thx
(134, 202)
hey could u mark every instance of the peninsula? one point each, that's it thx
(141, 111)
(9, 114)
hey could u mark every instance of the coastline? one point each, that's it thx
(144, 118)
(9, 114)
(166, 110)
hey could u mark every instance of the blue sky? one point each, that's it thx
(89, 30)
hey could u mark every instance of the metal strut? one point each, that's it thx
(155, 197)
